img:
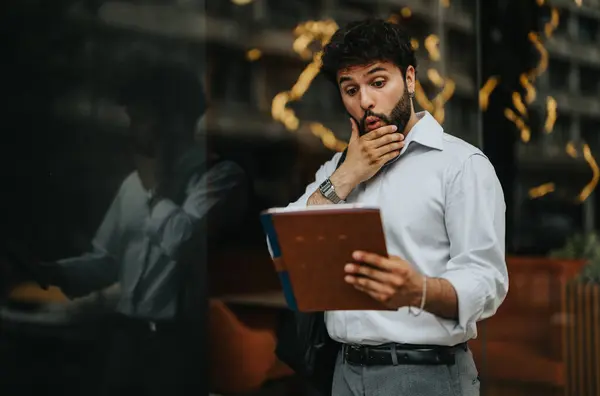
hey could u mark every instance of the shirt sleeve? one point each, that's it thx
(475, 222)
(98, 268)
(170, 225)
(324, 171)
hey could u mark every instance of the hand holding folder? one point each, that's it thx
(310, 248)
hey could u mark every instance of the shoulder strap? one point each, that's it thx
(342, 158)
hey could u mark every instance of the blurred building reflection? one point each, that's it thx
(247, 56)
(65, 154)
(556, 160)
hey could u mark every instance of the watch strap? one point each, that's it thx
(327, 189)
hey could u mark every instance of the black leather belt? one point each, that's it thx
(395, 354)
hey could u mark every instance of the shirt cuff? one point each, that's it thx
(471, 297)
(159, 215)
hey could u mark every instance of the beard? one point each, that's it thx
(399, 116)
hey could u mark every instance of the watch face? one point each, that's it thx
(328, 191)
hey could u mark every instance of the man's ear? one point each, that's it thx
(410, 78)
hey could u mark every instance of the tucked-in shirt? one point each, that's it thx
(443, 211)
(137, 245)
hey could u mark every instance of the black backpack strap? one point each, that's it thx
(342, 158)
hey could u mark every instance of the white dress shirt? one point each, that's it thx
(443, 211)
(137, 246)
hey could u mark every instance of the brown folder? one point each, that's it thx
(312, 245)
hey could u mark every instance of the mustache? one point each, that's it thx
(369, 113)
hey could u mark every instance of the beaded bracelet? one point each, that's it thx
(423, 298)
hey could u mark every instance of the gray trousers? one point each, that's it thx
(460, 379)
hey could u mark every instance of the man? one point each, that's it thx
(443, 214)
(158, 228)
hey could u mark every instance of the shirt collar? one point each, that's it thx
(427, 132)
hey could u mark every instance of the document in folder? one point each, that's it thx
(312, 245)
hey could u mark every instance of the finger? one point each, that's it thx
(388, 157)
(374, 295)
(388, 148)
(355, 133)
(370, 285)
(364, 270)
(379, 132)
(386, 139)
(373, 259)
(394, 265)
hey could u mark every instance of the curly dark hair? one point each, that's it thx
(364, 42)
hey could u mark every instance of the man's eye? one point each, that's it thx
(350, 91)
(378, 83)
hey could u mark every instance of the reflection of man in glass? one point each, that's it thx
(178, 187)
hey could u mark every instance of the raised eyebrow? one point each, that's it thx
(344, 79)
(376, 69)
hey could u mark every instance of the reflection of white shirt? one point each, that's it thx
(443, 211)
(138, 247)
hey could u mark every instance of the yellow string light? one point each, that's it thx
(571, 150)
(550, 114)
(301, 44)
(518, 121)
(253, 54)
(422, 98)
(543, 62)
(327, 137)
(530, 92)
(526, 81)
(551, 25)
(435, 78)
(436, 105)
(518, 103)
(281, 113)
(431, 44)
(540, 191)
(486, 91)
(414, 43)
(306, 33)
(591, 186)
(587, 152)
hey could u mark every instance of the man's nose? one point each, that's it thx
(366, 101)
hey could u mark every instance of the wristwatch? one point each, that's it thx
(328, 191)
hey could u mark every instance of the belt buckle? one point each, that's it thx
(356, 350)
(152, 326)
(363, 353)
